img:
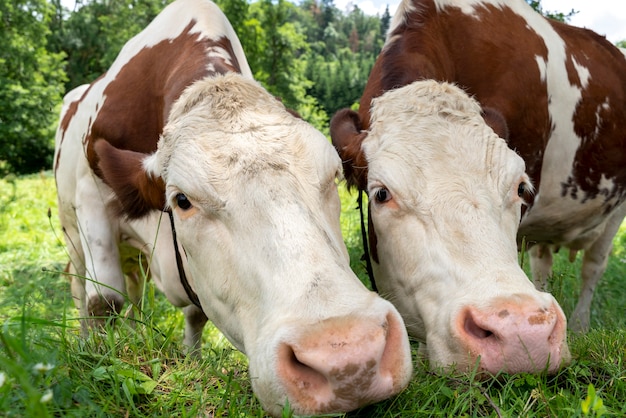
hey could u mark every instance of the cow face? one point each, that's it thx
(445, 199)
(254, 196)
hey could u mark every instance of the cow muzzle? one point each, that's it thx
(514, 336)
(343, 363)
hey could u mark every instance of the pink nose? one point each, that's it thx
(344, 363)
(515, 336)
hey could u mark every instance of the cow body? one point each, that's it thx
(561, 92)
(177, 122)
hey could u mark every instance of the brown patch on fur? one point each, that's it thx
(136, 108)
(504, 76)
(429, 49)
(138, 101)
(64, 123)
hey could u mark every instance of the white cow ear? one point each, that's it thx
(151, 166)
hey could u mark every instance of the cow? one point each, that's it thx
(177, 152)
(558, 95)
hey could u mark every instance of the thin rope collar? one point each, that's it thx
(366, 251)
(193, 297)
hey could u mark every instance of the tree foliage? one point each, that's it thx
(313, 56)
(560, 16)
(94, 33)
(31, 84)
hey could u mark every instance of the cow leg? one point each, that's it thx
(105, 284)
(154, 236)
(195, 320)
(135, 267)
(134, 286)
(75, 270)
(77, 285)
(541, 265)
(104, 280)
(593, 266)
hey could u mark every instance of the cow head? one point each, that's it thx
(256, 209)
(445, 201)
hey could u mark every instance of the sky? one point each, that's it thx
(607, 17)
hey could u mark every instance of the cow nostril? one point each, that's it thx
(304, 376)
(475, 330)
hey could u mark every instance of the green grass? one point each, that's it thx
(138, 368)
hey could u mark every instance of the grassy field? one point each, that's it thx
(46, 369)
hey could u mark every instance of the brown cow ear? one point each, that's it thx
(137, 191)
(347, 136)
(496, 121)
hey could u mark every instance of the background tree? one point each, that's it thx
(340, 60)
(95, 32)
(278, 56)
(313, 56)
(385, 21)
(560, 16)
(31, 86)
(237, 13)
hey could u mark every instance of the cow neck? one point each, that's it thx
(366, 251)
(193, 297)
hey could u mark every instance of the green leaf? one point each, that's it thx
(101, 374)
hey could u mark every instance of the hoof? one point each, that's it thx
(101, 308)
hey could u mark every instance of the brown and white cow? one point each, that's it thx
(561, 92)
(177, 122)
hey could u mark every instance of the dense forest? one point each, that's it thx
(311, 54)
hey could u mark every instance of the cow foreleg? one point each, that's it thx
(104, 281)
(135, 282)
(77, 285)
(195, 320)
(104, 287)
(541, 265)
(152, 231)
(593, 266)
(75, 270)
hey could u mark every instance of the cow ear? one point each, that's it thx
(496, 121)
(347, 137)
(137, 191)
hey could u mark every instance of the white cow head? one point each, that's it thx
(256, 209)
(445, 203)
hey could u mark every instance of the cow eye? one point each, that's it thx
(183, 202)
(382, 195)
(521, 189)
